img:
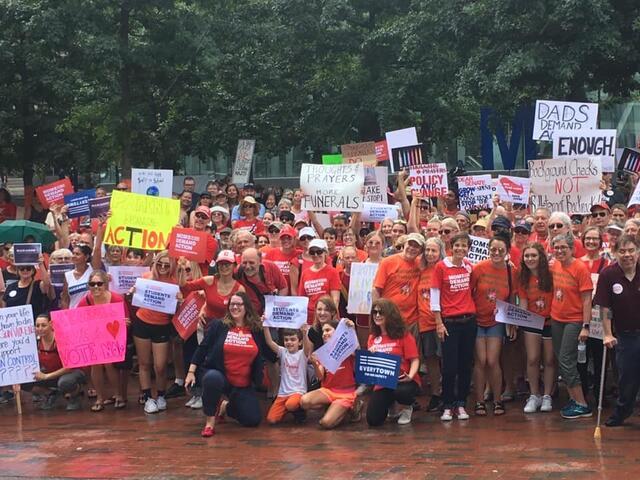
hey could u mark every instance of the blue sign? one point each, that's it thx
(78, 203)
(377, 368)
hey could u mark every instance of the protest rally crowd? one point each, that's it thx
(241, 289)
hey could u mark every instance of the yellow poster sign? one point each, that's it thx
(141, 221)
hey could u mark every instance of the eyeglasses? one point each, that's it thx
(445, 231)
(96, 284)
(306, 238)
(599, 214)
(188, 270)
(236, 305)
(163, 265)
(561, 247)
(556, 226)
(315, 253)
(591, 239)
(376, 312)
(501, 251)
(521, 232)
(201, 216)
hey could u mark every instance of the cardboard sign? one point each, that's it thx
(57, 271)
(429, 180)
(188, 243)
(566, 184)
(629, 160)
(513, 315)
(244, 159)
(150, 181)
(157, 296)
(377, 212)
(18, 347)
(475, 191)
(407, 157)
(364, 153)
(123, 278)
(596, 328)
(99, 206)
(376, 183)
(332, 187)
(141, 221)
(342, 343)
(78, 203)
(478, 250)
(513, 189)
(187, 317)
(378, 368)
(332, 159)
(587, 143)
(91, 335)
(285, 312)
(26, 253)
(53, 193)
(635, 198)
(361, 287)
(382, 151)
(400, 138)
(552, 116)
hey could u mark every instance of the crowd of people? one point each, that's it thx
(431, 306)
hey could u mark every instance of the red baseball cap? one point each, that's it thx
(288, 230)
(205, 210)
(601, 205)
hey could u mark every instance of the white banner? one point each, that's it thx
(508, 313)
(635, 198)
(360, 287)
(242, 165)
(342, 343)
(149, 181)
(332, 187)
(376, 183)
(585, 143)
(552, 116)
(430, 180)
(566, 184)
(18, 347)
(513, 189)
(123, 278)
(376, 212)
(478, 250)
(285, 312)
(475, 191)
(157, 296)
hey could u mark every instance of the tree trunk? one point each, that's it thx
(125, 92)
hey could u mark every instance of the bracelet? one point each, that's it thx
(191, 372)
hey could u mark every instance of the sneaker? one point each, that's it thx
(576, 411)
(435, 404)
(6, 397)
(197, 403)
(190, 401)
(162, 403)
(614, 421)
(547, 403)
(73, 404)
(175, 391)
(405, 416)
(447, 415)
(50, 401)
(150, 406)
(462, 414)
(394, 412)
(533, 404)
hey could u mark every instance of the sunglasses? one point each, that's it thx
(96, 284)
(163, 265)
(315, 253)
(445, 232)
(376, 312)
(599, 214)
(25, 267)
(306, 238)
(554, 226)
(201, 216)
(188, 270)
(122, 189)
(424, 207)
(521, 232)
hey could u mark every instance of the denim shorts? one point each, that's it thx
(497, 331)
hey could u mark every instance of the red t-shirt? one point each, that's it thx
(8, 211)
(597, 266)
(426, 318)
(404, 347)
(568, 285)
(455, 288)
(344, 379)
(240, 350)
(254, 226)
(317, 284)
(397, 280)
(210, 253)
(216, 306)
(490, 283)
(282, 260)
(273, 281)
(87, 300)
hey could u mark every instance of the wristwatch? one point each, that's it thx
(585, 325)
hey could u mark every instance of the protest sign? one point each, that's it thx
(629, 160)
(99, 206)
(475, 191)
(635, 198)
(342, 343)
(513, 189)
(400, 138)
(566, 184)
(378, 368)
(478, 250)
(150, 181)
(360, 287)
(26, 253)
(244, 159)
(157, 296)
(141, 221)
(376, 182)
(332, 187)
(332, 159)
(57, 271)
(188, 243)
(376, 212)
(552, 116)
(285, 312)
(429, 180)
(78, 203)
(382, 151)
(513, 315)
(582, 143)
(364, 153)
(18, 347)
(91, 335)
(407, 157)
(54, 192)
(186, 319)
(123, 278)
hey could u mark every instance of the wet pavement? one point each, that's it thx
(128, 443)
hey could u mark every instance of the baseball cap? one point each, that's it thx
(249, 186)
(416, 237)
(287, 230)
(602, 205)
(249, 199)
(522, 225)
(274, 227)
(204, 210)
(221, 210)
(318, 243)
(226, 256)
(307, 231)
(287, 216)
(482, 223)
(501, 222)
(614, 226)
(225, 230)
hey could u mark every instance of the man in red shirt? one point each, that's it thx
(541, 226)
(260, 278)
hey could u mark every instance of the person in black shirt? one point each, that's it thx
(29, 291)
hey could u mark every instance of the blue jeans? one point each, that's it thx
(628, 362)
(243, 404)
(457, 362)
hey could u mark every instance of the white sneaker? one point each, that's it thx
(462, 414)
(190, 401)
(547, 403)
(447, 415)
(150, 406)
(405, 416)
(197, 403)
(162, 403)
(533, 404)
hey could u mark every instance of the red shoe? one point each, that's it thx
(207, 432)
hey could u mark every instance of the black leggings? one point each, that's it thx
(381, 400)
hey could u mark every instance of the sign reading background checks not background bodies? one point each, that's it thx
(141, 221)
(18, 348)
(332, 187)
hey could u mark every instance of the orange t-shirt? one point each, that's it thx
(397, 280)
(490, 283)
(426, 318)
(151, 316)
(568, 285)
(538, 302)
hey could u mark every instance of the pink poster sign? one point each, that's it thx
(90, 335)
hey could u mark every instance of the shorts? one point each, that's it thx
(545, 332)
(430, 344)
(497, 331)
(147, 331)
(346, 399)
(282, 405)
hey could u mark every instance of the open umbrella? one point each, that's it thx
(15, 231)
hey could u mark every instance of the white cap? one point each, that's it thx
(220, 209)
(318, 243)
(308, 231)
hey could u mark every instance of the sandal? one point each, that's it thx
(498, 408)
(120, 404)
(97, 407)
(91, 393)
(109, 401)
(480, 409)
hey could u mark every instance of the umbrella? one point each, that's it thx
(15, 231)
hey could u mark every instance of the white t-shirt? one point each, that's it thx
(293, 372)
(77, 287)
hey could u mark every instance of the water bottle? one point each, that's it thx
(582, 352)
